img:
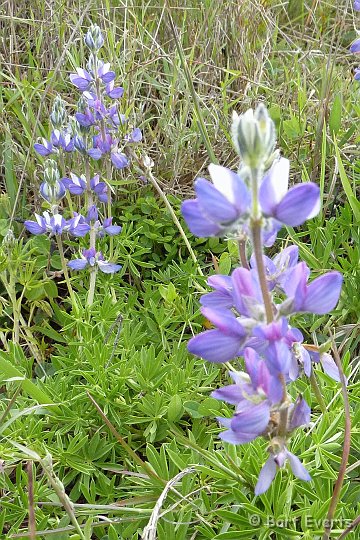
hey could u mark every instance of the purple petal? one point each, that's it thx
(108, 77)
(213, 203)
(108, 268)
(43, 150)
(119, 160)
(34, 228)
(225, 321)
(297, 467)
(78, 264)
(75, 190)
(231, 394)
(301, 202)
(95, 153)
(278, 358)
(115, 93)
(355, 47)
(80, 230)
(112, 230)
(217, 299)
(231, 186)
(198, 223)
(214, 346)
(266, 476)
(79, 82)
(323, 293)
(300, 415)
(329, 366)
(237, 438)
(252, 418)
(274, 186)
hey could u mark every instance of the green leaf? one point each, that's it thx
(335, 115)
(176, 409)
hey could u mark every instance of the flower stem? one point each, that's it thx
(242, 253)
(258, 252)
(91, 293)
(64, 268)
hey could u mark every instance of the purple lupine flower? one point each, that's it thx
(95, 153)
(55, 224)
(357, 5)
(81, 79)
(275, 461)
(52, 192)
(44, 149)
(99, 188)
(76, 184)
(90, 257)
(291, 207)
(355, 47)
(114, 92)
(221, 297)
(119, 160)
(279, 268)
(327, 363)
(135, 136)
(220, 206)
(249, 421)
(104, 72)
(223, 343)
(257, 384)
(62, 140)
(320, 296)
(300, 414)
(77, 227)
(104, 143)
(109, 228)
(85, 119)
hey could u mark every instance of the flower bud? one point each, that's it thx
(94, 39)
(58, 113)
(253, 136)
(51, 172)
(53, 193)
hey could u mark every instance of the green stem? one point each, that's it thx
(91, 293)
(174, 217)
(317, 392)
(59, 489)
(64, 268)
(63, 173)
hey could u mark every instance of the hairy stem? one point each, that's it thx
(242, 254)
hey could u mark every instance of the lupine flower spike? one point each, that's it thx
(251, 309)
